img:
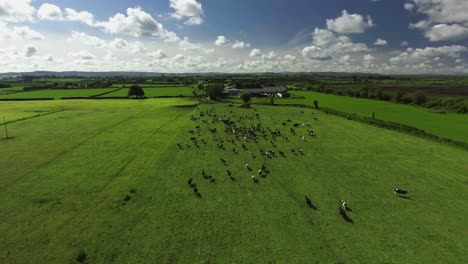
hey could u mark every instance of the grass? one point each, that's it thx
(105, 180)
(56, 93)
(158, 91)
(450, 125)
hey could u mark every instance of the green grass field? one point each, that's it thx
(106, 178)
(57, 93)
(157, 91)
(453, 126)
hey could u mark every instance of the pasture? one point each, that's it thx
(55, 93)
(107, 179)
(449, 125)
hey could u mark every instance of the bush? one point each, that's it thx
(398, 97)
(406, 100)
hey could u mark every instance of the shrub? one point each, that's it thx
(398, 96)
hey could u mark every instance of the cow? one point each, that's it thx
(343, 205)
(400, 191)
(222, 160)
(254, 179)
(189, 182)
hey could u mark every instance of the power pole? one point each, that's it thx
(6, 131)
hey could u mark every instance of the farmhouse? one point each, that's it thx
(276, 91)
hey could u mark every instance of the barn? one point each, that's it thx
(272, 91)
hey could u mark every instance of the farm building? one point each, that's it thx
(277, 91)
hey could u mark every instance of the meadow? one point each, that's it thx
(56, 93)
(447, 125)
(155, 91)
(105, 179)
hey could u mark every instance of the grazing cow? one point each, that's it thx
(296, 125)
(203, 172)
(222, 160)
(246, 165)
(260, 171)
(281, 153)
(300, 151)
(229, 173)
(400, 191)
(342, 212)
(343, 205)
(303, 138)
(190, 181)
(254, 179)
(195, 190)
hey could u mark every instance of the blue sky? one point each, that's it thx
(385, 36)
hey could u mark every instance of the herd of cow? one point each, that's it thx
(240, 130)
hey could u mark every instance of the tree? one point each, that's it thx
(214, 90)
(379, 94)
(398, 96)
(419, 98)
(136, 91)
(246, 98)
(316, 104)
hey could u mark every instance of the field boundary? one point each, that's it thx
(96, 95)
(26, 99)
(382, 124)
(31, 117)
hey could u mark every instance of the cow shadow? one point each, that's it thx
(312, 206)
(349, 209)
(405, 197)
(347, 219)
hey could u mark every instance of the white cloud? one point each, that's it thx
(444, 32)
(29, 51)
(315, 53)
(82, 16)
(16, 10)
(447, 20)
(119, 43)
(19, 32)
(190, 9)
(327, 40)
(255, 53)
(349, 23)
(368, 58)
(418, 56)
(159, 54)
(137, 23)
(409, 6)
(380, 42)
(88, 39)
(186, 45)
(49, 12)
(82, 55)
(221, 41)
(193, 21)
(404, 43)
(240, 45)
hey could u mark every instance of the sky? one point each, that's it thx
(235, 36)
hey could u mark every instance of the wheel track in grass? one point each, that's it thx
(64, 152)
(116, 174)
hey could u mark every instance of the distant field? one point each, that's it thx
(57, 93)
(147, 85)
(106, 177)
(453, 126)
(158, 91)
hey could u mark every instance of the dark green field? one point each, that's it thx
(106, 178)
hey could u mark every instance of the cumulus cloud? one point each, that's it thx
(444, 32)
(380, 42)
(327, 40)
(349, 23)
(82, 55)
(159, 54)
(404, 43)
(240, 45)
(49, 12)
(315, 53)
(29, 51)
(88, 39)
(418, 56)
(79, 16)
(190, 9)
(16, 10)
(447, 20)
(19, 32)
(137, 23)
(408, 6)
(255, 53)
(186, 45)
(221, 41)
